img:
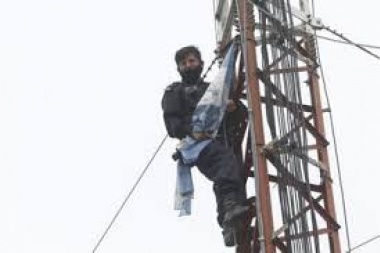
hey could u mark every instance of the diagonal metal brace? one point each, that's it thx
(300, 187)
(292, 107)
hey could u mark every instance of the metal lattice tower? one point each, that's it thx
(285, 146)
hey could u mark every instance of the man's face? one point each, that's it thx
(190, 68)
(189, 62)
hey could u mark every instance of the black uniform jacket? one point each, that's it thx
(178, 103)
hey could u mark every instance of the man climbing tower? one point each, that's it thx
(216, 161)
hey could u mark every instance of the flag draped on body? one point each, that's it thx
(211, 108)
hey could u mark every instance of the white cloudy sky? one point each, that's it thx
(80, 89)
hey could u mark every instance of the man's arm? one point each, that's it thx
(175, 126)
(174, 116)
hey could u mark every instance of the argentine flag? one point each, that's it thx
(210, 110)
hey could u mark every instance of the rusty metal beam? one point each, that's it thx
(263, 204)
(277, 102)
(275, 179)
(275, 62)
(305, 108)
(309, 233)
(287, 70)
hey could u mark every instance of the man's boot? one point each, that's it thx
(232, 218)
(237, 234)
(228, 236)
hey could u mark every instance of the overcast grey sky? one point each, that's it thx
(80, 90)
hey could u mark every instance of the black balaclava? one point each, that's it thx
(191, 75)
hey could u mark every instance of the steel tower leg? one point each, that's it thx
(319, 125)
(263, 200)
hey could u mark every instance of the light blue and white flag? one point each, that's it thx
(211, 108)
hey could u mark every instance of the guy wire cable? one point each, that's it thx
(350, 41)
(364, 243)
(129, 194)
(334, 137)
(336, 152)
(335, 144)
(339, 41)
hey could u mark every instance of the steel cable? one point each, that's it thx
(364, 243)
(348, 43)
(332, 126)
(129, 195)
(337, 160)
(351, 42)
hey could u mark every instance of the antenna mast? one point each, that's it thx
(286, 148)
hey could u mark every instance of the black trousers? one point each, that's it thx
(219, 164)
